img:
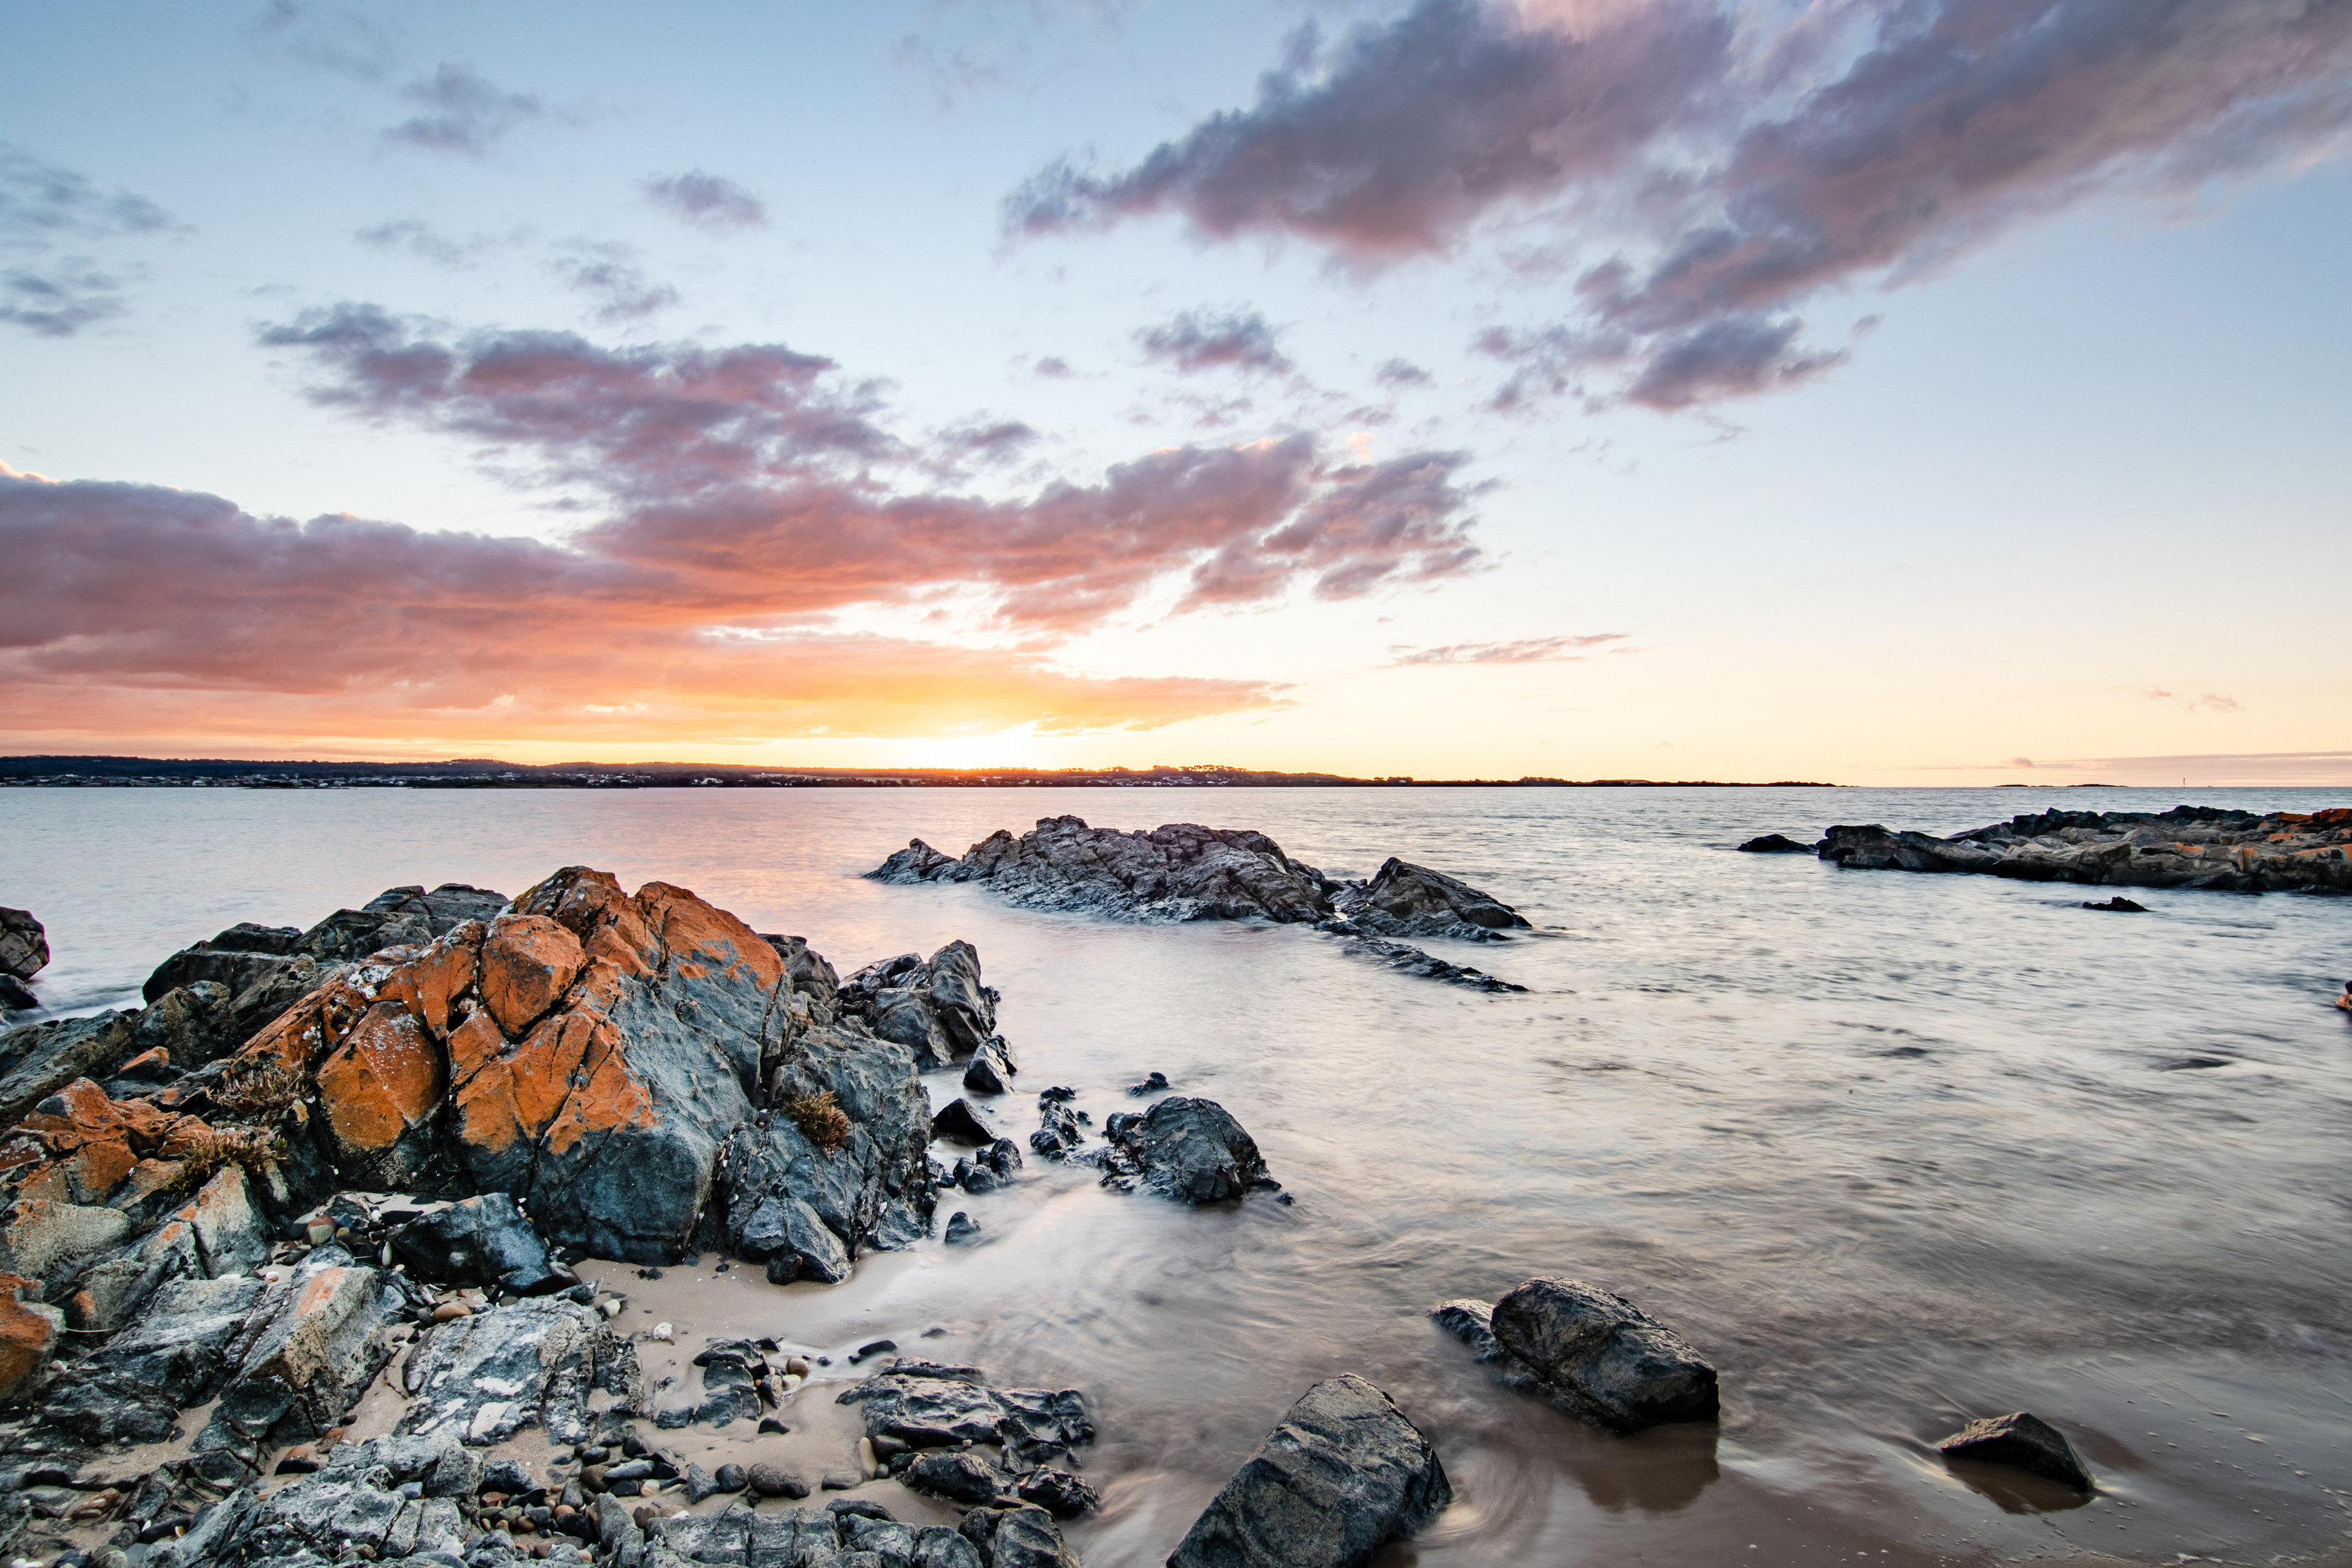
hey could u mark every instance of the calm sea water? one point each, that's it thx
(1894, 1151)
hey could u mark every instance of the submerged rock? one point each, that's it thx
(1407, 900)
(2118, 904)
(1591, 1353)
(2189, 846)
(2021, 1441)
(1411, 960)
(1345, 1473)
(1775, 844)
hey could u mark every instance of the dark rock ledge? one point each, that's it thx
(2187, 847)
(1183, 871)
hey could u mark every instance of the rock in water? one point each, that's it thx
(1192, 1150)
(1775, 844)
(2118, 904)
(1343, 1474)
(1179, 871)
(1602, 1358)
(24, 945)
(2189, 846)
(960, 1123)
(1407, 900)
(2021, 1441)
(1407, 960)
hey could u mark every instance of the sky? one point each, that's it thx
(1891, 391)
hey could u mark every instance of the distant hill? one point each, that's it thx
(487, 773)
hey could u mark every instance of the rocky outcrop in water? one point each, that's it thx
(1406, 900)
(1589, 1352)
(942, 1430)
(1188, 1149)
(2020, 1441)
(1344, 1473)
(1775, 844)
(1183, 871)
(2189, 846)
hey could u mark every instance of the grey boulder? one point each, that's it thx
(1192, 1150)
(478, 1380)
(24, 945)
(1591, 1353)
(1344, 1473)
(483, 1241)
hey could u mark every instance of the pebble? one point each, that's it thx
(797, 1365)
(732, 1479)
(660, 1331)
(867, 1461)
(768, 1480)
(450, 1312)
(769, 1424)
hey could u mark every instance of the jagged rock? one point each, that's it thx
(924, 1405)
(917, 863)
(1410, 960)
(991, 1070)
(1153, 1082)
(37, 1059)
(480, 1379)
(1775, 844)
(936, 1007)
(2021, 1441)
(960, 1123)
(1191, 1149)
(958, 1476)
(1591, 1353)
(1406, 900)
(16, 996)
(484, 1242)
(1023, 1537)
(229, 1234)
(79, 1147)
(962, 1229)
(1344, 1473)
(2189, 846)
(24, 945)
(1059, 1492)
(396, 1498)
(308, 1348)
(1179, 872)
(794, 1242)
(177, 1354)
(2118, 904)
(1058, 1133)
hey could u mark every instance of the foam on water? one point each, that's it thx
(1895, 1150)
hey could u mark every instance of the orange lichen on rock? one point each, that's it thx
(385, 1077)
(527, 962)
(28, 1336)
(437, 976)
(86, 1148)
(704, 940)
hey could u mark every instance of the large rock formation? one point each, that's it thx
(1591, 1353)
(1345, 1473)
(2189, 846)
(1179, 872)
(24, 951)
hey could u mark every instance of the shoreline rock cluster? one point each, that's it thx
(2200, 847)
(1182, 871)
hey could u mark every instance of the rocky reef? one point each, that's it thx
(1183, 871)
(2187, 847)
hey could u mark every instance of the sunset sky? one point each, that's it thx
(1933, 391)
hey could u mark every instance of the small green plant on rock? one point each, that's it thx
(820, 1120)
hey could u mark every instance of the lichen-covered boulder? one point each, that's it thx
(37, 1060)
(1345, 1473)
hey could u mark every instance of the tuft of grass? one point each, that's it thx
(262, 1091)
(215, 1150)
(820, 1120)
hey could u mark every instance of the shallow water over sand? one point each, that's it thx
(1893, 1150)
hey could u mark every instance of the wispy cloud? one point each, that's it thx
(706, 202)
(757, 479)
(2208, 702)
(1524, 651)
(609, 273)
(1195, 340)
(1710, 171)
(461, 111)
(45, 206)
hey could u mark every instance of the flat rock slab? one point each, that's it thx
(478, 1380)
(2021, 1441)
(1344, 1473)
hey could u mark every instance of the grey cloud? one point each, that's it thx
(419, 238)
(330, 36)
(1053, 367)
(1714, 168)
(1197, 341)
(609, 273)
(464, 113)
(1402, 373)
(44, 204)
(58, 299)
(1524, 651)
(706, 202)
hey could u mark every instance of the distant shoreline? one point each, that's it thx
(486, 773)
